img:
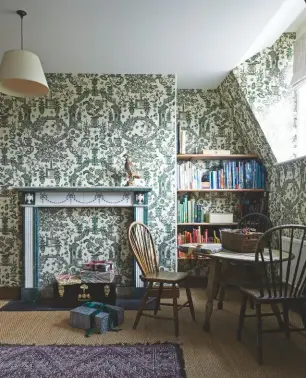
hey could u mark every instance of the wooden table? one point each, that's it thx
(215, 275)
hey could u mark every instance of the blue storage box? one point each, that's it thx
(82, 317)
(118, 314)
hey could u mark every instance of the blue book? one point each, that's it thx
(248, 175)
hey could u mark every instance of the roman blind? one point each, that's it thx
(299, 62)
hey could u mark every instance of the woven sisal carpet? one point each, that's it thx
(207, 355)
(111, 361)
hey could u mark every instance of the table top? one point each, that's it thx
(215, 250)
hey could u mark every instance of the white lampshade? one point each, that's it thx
(21, 75)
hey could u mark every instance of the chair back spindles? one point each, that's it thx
(280, 243)
(260, 222)
(289, 263)
(143, 247)
(288, 281)
(293, 291)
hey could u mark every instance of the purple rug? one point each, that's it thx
(107, 361)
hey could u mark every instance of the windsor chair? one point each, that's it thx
(284, 287)
(143, 247)
(261, 223)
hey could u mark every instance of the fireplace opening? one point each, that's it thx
(71, 237)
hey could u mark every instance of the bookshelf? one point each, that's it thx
(217, 157)
(207, 224)
(240, 174)
(220, 190)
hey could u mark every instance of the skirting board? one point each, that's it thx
(15, 292)
(10, 293)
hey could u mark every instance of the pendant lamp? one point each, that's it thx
(21, 73)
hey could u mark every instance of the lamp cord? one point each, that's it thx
(21, 14)
(21, 32)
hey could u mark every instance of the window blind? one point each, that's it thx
(299, 62)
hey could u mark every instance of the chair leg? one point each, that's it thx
(190, 302)
(286, 320)
(278, 316)
(241, 316)
(157, 303)
(142, 305)
(259, 332)
(175, 311)
(252, 306)
(221, 296)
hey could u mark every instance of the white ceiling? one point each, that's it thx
(199, 40)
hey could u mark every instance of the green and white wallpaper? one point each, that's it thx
(208, 125)
(253, 92)
(78, 136)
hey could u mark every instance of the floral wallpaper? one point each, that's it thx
(208, 125)
(206, 122)
(78, 136)
(250, 92)
(265, 80)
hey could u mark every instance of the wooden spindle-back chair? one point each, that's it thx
(260, 222)
(281, 279)
(143, 248)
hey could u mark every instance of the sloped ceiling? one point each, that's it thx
(199, 40)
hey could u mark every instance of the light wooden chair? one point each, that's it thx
(142, 245)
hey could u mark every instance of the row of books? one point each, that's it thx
(198, 236)
(238, 175)
(188, 211)
(227, 175)
(189, 176)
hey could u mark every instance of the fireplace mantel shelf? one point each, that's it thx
(125, 189)
(77, 196)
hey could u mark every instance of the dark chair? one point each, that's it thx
(279, 283)
(261, 223)
(142, 245)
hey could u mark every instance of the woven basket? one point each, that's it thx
(242, 243)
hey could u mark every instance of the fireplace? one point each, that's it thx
(33, 198)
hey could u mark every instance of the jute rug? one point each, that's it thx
(111, 361)
(215, 354)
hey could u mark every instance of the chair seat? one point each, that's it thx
(255, 294)
(170, 277)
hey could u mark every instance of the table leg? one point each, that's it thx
(213, 277)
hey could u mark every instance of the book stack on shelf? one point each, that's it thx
(236, 174)
(196, 236)
(188, 211)
(221, 172)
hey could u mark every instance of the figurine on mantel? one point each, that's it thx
(131, 172)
